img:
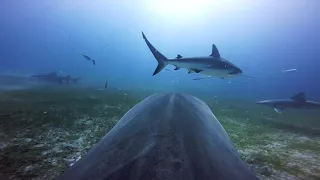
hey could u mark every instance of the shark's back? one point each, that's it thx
(201, 59)
(165, 137)
(291, 103)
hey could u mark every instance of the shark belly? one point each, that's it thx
(166, 136)
(217, 73)
(201, 68)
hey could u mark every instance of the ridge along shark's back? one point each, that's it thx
(164, 137)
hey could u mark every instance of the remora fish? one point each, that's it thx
(164, 137)
(89, 59)
(212, 65)
(297, 101)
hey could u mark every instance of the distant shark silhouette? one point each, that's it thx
(165, 137)
(53, 77)
(49, 77)
(297, 101)
(69, 79)
(212, 65)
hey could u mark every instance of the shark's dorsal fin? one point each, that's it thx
(299, 97)
(215, 52)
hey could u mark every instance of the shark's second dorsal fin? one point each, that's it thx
(215, 52)
(299, 97)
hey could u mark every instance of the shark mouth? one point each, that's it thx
(232, 73)
(235, 72)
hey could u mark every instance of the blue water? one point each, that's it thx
(262, 37)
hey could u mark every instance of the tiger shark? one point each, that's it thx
(212, 65)
(297, 101)
(167, 136)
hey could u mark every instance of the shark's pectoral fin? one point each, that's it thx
(278, 109)
(177, 68)
(94, 62)
(196, 70)
(190, 71)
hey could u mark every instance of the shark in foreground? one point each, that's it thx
(167, 136)
(213, 65)
(297, 101)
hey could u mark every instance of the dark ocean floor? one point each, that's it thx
(45, 130)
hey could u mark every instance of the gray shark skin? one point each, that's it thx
(213, 65)
(165, 137)
(297, 101)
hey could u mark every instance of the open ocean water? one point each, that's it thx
(56, 103)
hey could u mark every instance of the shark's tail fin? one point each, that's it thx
(162, 60)
(161, 65)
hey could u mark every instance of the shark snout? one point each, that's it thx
(236, 71)
(262, 102)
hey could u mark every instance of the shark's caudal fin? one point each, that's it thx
(162, 60)
(299, 97)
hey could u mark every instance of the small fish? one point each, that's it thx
(89, 59)
(106, 84)
(288, 70)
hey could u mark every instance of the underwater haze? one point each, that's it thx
(261, 37)
(276, 44)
